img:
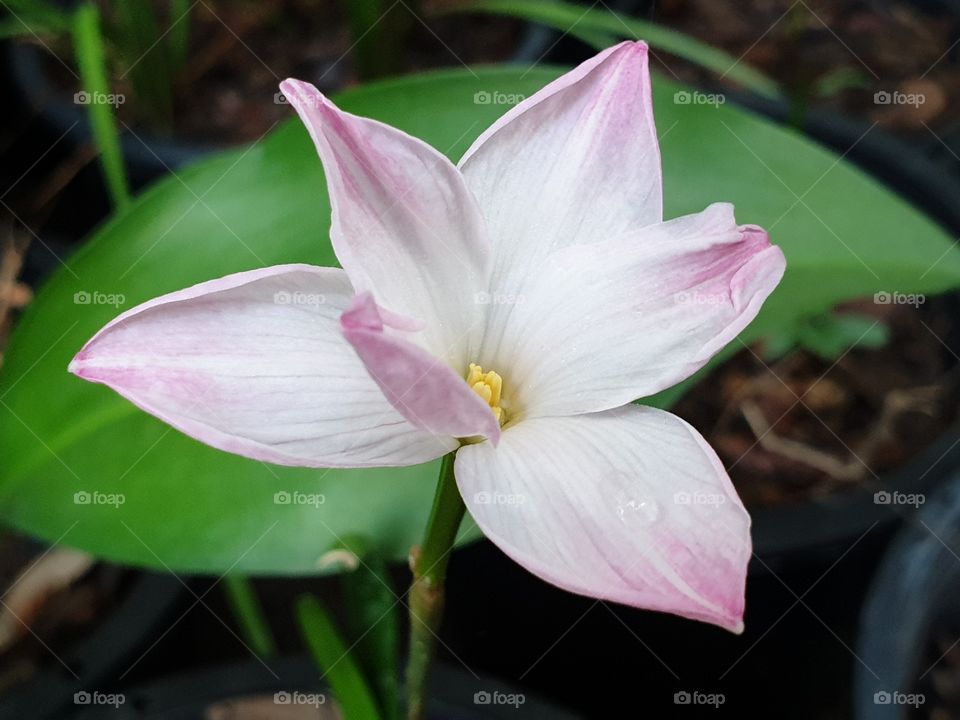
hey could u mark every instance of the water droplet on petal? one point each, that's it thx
(638, 511)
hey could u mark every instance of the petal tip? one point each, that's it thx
(302, 95)
(76, 365)
(762, 272)
(293, 85)
(733, 624)
(630, 51)
(361, 315)
(638, 47)
(81, 365)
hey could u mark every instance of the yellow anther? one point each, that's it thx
(487, 385)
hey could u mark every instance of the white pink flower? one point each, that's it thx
(541, 270)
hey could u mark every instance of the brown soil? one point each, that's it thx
(803, 427)
(835, 55)
(61, 618)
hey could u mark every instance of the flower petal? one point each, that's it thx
(630, 505)
(420, 386)
(254, 364)
(577, 162)
(404, 226)
(604, 324)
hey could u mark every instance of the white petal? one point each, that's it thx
(603, 324)
(255, 364)
(629, 505)
(404, 225)
(577, 162)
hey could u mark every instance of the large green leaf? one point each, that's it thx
(193, 508)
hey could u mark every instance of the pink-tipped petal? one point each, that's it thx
(420, 386)
(603, 324)
(404, 225)
(255, 364)
(630, 505)
(577, 162)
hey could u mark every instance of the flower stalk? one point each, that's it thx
(428, 562)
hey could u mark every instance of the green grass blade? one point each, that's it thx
(178, 39)
(248, 613)
(91, 62)
(576, 20)
(335, 661)
(372, 622)
(372, 39)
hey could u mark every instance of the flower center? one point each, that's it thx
(488, 385)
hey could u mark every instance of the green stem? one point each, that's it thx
(429, 565)
(249, 615)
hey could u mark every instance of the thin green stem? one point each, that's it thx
(249, 615)
(429, 566)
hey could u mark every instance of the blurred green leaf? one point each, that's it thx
(829, 336)
(178, 43)
(336, 661)
(373, 45)
(13, 28)
(840, 79)
(593, 24)
(194, 508)
(29, 17)
(146, 61)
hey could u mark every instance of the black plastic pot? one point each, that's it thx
(458, 694)
(145, 612)
(912, 599)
